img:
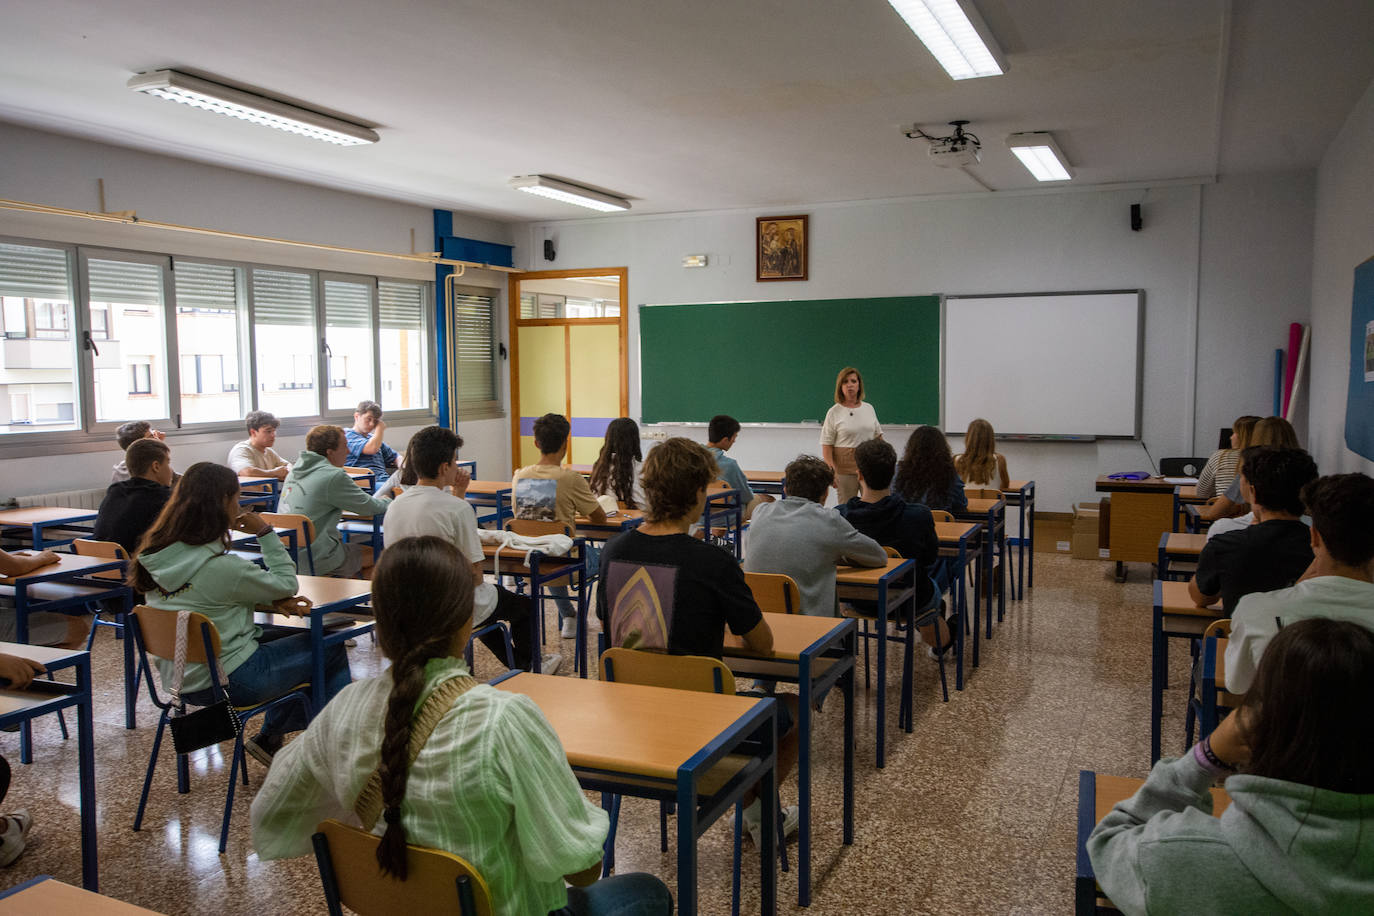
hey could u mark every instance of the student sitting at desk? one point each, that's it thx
(666, 591)
(45, 629)
(365, 446)
(1220, 469)
(318, 488)
(489, 780)
(722, 434)
(183, 566)
(1338, 584)
(1299, 768)
(980, 465)
(126, 435)
(893, 522)
(1273, 552)
(798, 537)
(1275, 431)
(435, 506)
(548, 492)
(926, 473)
(618, 467)
(254, 456)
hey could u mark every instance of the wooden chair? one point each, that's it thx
(305, 534)
(1216, 628)
(155, 633)
(940, 515)
(775, 593)
(106, 550)
(347, 858)
(677, 672)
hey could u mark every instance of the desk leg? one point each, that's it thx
(537, 617)
(687, 842)
(848, 750)
(1021, 547)
(1002, 571)
(21, 634)
(317, 682)
(1159, 658)
(1030, 533)
(85, 742)
(130, 668)
(805, 714)
(989, 561)
(882, 674)
(959, 595)
(977, 600)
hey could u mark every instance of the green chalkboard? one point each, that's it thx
(775, 362)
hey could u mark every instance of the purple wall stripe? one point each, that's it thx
(582, 427)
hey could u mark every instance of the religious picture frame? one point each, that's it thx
(782, 248)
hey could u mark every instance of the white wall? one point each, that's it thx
(54, 170)
(990, 244)
(1344, 238)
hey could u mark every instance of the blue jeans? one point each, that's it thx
(562, 595)
(619, 895)
(277, 666)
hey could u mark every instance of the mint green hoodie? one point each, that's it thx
(319, 490)
(224, 588)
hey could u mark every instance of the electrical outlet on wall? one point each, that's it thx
(657, 435)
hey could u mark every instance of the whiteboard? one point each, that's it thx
(1044, 364)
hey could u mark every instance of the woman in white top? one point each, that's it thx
(847, 424)
(981, 467)
(617, 468)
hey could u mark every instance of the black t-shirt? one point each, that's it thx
(128, 510)
(672, 592)
(907, 528)
(1260, 558)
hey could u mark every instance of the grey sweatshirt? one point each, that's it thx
(806, 541)
(1280, 847)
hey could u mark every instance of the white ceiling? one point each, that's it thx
(703, 105)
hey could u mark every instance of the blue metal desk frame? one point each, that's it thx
(890, 597)
(77, 519)
(1024, 499)
(1184, 625)
(543, 570)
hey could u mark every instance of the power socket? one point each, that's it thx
(657, 435)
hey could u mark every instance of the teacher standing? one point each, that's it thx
(847, 424)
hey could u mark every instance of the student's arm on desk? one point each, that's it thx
(759, 639)
(857, 549)
(23, 562)
(1205, 586)
(1199, 598)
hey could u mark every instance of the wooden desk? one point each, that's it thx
(263, 490)
(363, 477)
(814, 653)
(1142, 510)
(67, 587)
(39, 518)
(543, 570)
(368, 526)
(491, 494)
(892, 587)
(1175, 615)
(21, 706)
(956, 540)
(1021, 493)
(623, 520)
(765, 482)
(1098, 793)
(993, 514)
(328, 596)
(705, 754)
(45, 894)
(723, 504)
(1178, 547)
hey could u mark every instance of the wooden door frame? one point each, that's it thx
(515, 322)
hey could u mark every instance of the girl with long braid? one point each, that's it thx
(424, 754)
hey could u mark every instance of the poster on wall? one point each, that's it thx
(1359, 404)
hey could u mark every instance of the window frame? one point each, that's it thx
(339, 414)
(483, 409)
(97, 436)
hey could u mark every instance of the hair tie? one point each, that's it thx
(392, 815)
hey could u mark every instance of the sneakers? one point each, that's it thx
(569, 630)
(263, 748)
(551, 663)
(753, 817)
(14, 838)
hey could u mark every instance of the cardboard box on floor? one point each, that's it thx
(1086, 520)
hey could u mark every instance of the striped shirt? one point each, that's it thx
(492, 785)
(1217, 475)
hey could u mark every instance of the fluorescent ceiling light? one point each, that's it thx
(569, 193)
(955, 34)
(1040, 155)
(198, 93)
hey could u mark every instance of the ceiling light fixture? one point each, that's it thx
(246, 106)
(554, 189)
(954, 32)
(1041, 156)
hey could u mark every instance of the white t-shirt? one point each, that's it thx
(848, 427)
(244, 456)
(1253, 623)
(429, 510)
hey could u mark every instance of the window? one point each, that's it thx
(210, 328)
(100, 324)
(402, 345)
(141, 377)
(38, 375)
(474, 335)
(131, 291)
(338, 374)
(348, 341)
(287, 348)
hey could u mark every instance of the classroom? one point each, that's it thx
(1220, 156)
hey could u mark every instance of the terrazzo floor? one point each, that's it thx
(974, 813)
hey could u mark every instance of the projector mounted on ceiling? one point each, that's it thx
(959, 150)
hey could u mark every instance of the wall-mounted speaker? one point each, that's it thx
(548, 250)
(1136, 221)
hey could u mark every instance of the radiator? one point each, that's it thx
(70, 499)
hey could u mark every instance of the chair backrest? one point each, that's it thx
(529, 527)
(774, 593)
(1181, 467)
(982, 493)
(305, 533)
(893, 552)
(157, 631)
(108, 550)
(655, 669)
(940, 515)
(1220, 627)
(347, 857)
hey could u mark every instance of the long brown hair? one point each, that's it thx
(839, 383)
(926, 472)
(1301, 715)
(1275, 431)
(422, 597)
(614, 471)
(978, 463)
(1242, 428)
(195, 514)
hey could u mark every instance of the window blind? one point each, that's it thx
(401, 305)
(474, 336)
(124, 282)
(347, 304)
(34, 273)
(283, 298)
(205, 286)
